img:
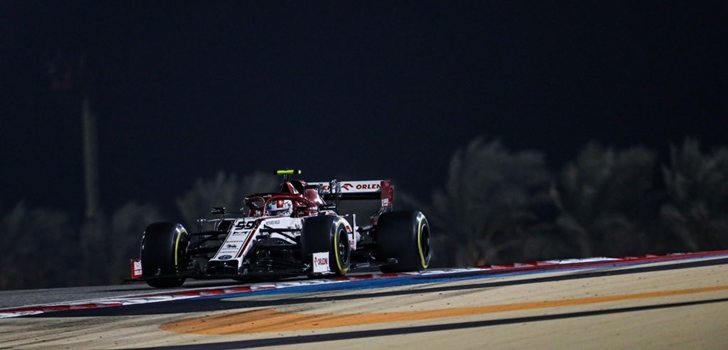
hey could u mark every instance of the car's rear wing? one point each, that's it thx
(346, 190)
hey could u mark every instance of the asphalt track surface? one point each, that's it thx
(650, 302)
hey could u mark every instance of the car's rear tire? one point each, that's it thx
(327, 233)
(404, 236)
(163, 254)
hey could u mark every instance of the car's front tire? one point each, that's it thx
(163, 254)
(327, 233)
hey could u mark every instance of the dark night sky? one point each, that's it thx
(366, 90)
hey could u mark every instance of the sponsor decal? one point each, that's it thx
(231, 246)
(361, 186)
(225, 257)
(136, 269)
(372, 186)
(321, 262)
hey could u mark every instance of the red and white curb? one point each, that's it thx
(217, 291)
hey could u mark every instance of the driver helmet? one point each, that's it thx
(280, 207)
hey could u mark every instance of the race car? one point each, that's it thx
(301, 230)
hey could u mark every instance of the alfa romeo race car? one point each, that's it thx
(299, 230)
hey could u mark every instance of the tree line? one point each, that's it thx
(497, 206)
(501, 206)
(43, 249)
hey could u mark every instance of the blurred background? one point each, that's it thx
(524, 130)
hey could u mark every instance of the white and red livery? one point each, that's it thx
(299, 230)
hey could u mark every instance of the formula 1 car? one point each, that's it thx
(297, 231)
